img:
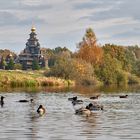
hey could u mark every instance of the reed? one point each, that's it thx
(30, 79)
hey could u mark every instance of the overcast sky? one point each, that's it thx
(63, 22)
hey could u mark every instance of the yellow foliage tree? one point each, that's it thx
(89, 50)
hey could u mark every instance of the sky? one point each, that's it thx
(63, 22)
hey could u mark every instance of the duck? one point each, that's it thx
(73, 98)
(25, 101)
(2, 100)
(123, 96)
(95, 107)
(83, 111)
(77, 102)
(94, 97)
(41, 110)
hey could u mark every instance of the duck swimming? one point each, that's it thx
(123, 96)
(83, 111)
(73, 98)
(25, 101)
(94, 97)
(41, 110)
(2, 100)
(77, 102)
(95, 107)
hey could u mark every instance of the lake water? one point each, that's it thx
(120, 119)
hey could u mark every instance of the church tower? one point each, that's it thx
(32, 53)
(32, 45)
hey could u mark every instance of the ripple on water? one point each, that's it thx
(119, 120)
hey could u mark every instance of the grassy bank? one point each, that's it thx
(30, 79)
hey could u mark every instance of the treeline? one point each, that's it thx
(93, 64)
(9, 61)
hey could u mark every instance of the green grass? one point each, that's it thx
(20, 78)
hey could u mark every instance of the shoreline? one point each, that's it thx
(19, 78)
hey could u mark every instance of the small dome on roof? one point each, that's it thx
(33, 29)
(10, 55)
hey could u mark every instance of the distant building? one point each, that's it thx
(32, 53)
(7, 59)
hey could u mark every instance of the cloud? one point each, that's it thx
(24, 5)
(64, 21)
(9, 19)
(89, 4)
(128, 34)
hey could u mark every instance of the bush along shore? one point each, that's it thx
(91, 65)
(13, 78)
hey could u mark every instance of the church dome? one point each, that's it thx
(33, 29)
(10, 55)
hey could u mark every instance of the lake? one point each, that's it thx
(120, 119)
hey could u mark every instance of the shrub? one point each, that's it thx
(122, 78)
(132, 79)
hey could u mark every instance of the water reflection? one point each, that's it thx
(89, 90)
(119, 120)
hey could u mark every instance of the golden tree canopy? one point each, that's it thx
(88, 48)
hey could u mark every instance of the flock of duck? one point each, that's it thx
(87, 110)
(41, 110)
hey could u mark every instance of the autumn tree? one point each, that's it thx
(110, 71)
(118, 63)
(62, 68)
(89, 50)
(53, 54)
(6, 52)
(74, 69)
(122, 54)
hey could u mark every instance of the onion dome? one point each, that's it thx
(33, 29)
(10, 55)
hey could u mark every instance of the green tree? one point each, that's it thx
(108, 70)
(62, 68)
(55, 54)
(18, 66)
(136, 68)
(11, 64)
(35, 65)
(3, 63)
(122, 54)
(74, 69)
